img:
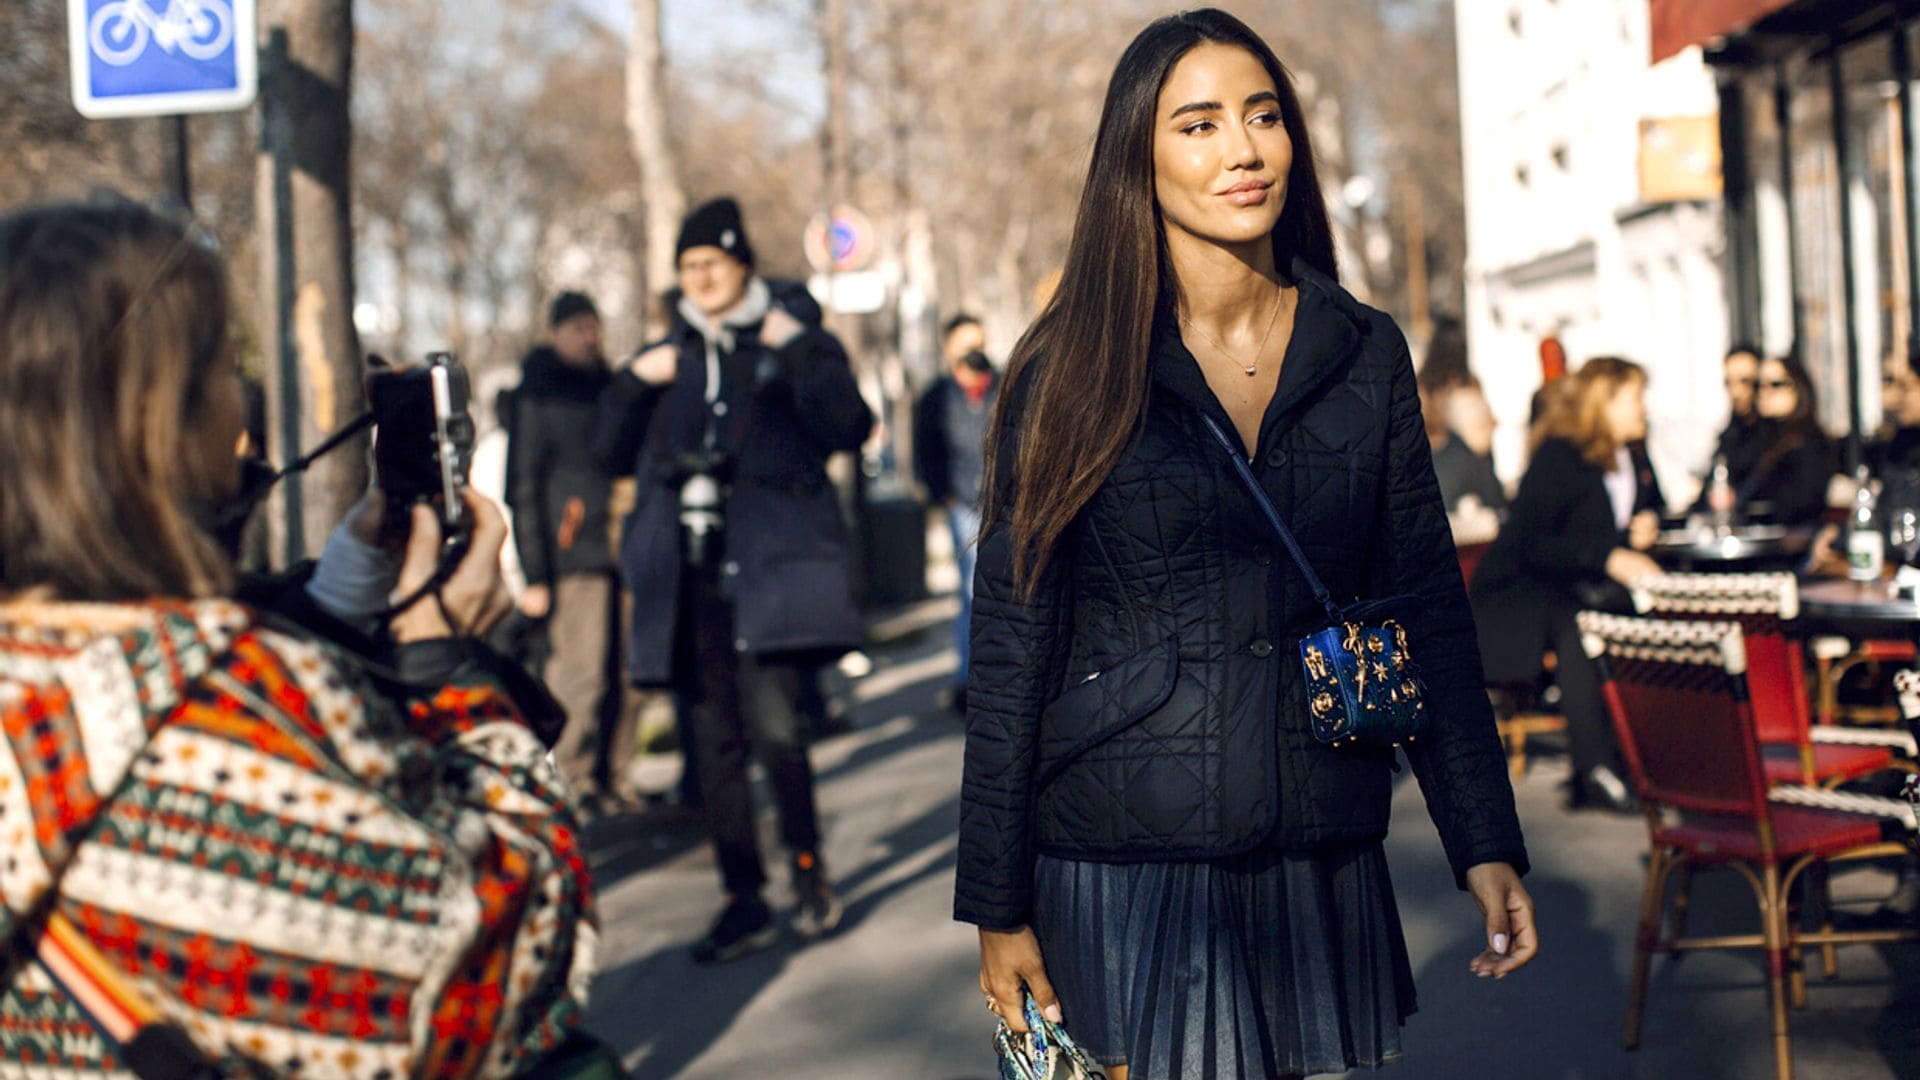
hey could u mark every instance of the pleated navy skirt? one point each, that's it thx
(1270, 964)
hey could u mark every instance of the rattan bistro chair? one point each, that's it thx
(1792, 748)
(1678, 695)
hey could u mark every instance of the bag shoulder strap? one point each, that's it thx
(1274, 520)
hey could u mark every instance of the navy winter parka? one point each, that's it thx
(1147, 703)
(781, 414)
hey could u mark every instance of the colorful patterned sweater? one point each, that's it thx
(305, 876)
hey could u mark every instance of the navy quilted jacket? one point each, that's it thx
(1148, 705)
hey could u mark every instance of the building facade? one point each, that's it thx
(1816, 106)
(1593, 215)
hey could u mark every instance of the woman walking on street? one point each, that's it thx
(1151, 838)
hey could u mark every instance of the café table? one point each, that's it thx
(1860, 609)
(1742, 548)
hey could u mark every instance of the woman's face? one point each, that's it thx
(1739, 372)
(1627, 411)
(1900, 393)
(714, 280)
(211, 438)
(1221, 152)
(1777, 397)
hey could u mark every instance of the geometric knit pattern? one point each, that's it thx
(307, 876)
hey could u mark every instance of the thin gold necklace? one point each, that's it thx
(1272, 320)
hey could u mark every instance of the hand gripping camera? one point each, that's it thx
(423, 442)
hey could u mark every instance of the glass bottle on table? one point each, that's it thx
(1720, 497)
(1866, 544)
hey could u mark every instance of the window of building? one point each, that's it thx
(1818, 303)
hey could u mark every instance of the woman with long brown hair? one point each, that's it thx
(1152, 841)
(231, 848)
(1791, 472)
(1577, 534)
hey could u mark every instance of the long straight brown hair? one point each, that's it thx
(1086, 400)
(111, 318)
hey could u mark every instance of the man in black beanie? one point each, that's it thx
(735, 551)
(559, 494)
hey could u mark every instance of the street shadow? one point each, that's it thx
(688, 1006)
(623, 845)
(1897, 1028)
(930, 831)
(1557, 1019)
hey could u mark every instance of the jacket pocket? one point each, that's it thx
(1104, 704)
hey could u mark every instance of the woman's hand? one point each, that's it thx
(1007, 959)
(1627, 566)
(1643, 531)
(779, 328)
(657, 366)
(473, 598)
(1512, 939)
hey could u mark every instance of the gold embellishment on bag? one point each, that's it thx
(1379, 669)
(1316, 664)
(1375, 645)
(1400, 638)
(1352, 643)
(1322, 705)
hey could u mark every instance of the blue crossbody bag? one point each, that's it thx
(1362, 686)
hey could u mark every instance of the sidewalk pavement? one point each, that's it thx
(894, 993)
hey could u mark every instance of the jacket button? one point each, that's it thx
(1261, 648)
(1276, 457)
(719, 408)
(731, 568)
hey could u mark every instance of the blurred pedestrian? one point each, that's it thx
(1896, 446)
(1152, 840)
(949, 434)
(559, 493)
(1459, 423)
(1577, 534)
(1795, 462)
(235, 848)
(735, 551)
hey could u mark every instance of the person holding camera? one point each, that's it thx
(735, 550)
(560, 494)
(949, 440)
(231, 846)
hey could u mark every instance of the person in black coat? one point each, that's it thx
(1577, 533)
(1144, 808)
(949, 454)
(735, 551)
(1795, 465)
(558, 491)
(1745, 435)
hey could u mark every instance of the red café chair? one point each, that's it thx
(1792, 748)
(1678, 694)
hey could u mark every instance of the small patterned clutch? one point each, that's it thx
(1362, 686)
(1361, 683)
(1045, 1052)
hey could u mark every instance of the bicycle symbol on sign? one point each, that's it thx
(119, 31)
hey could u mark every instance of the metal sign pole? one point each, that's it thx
(182, 179)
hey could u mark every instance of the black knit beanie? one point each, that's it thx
(567, 305)
(716, 224)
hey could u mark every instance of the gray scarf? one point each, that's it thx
(719, 337)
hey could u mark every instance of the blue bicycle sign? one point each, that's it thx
(157, 57)
(120, 30)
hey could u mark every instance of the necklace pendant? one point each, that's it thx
(1250, 369)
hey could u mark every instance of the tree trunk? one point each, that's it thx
(666, 204)
(314, 366)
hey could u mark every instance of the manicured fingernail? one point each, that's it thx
(1053, 1013)
(1500, 944)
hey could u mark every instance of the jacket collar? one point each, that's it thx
(1326, 335)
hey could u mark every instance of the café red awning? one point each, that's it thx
(1680, 23)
